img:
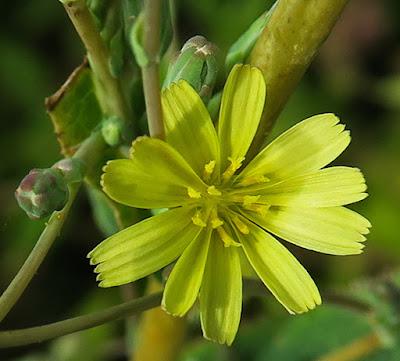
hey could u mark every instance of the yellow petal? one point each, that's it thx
(332, 230)
(184, 282)
(284, 276)
(221, 293)
(188, 126)
(143, 248)
(306, 147)
(156, 177)
(241, 107)
(328, 187)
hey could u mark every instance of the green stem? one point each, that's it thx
(150, 72)
(109, 88)
(31, 335)
(35, 258)
(88, 153)
(285, 50)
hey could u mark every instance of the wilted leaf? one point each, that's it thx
(74, 109)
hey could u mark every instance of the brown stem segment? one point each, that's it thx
(109, 88)
(150, 72)
(285, 49)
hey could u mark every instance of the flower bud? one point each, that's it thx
(112, 130)
(42, 192)
(71, 169)
(197, 64)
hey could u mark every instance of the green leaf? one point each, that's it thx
(74, 110)
(314, 334)
(242, 47)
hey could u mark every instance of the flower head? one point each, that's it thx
(222, 215)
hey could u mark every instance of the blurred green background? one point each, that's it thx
(356, 75)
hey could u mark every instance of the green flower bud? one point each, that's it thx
(197, 64)
(42, 192)
(112, 130)
(73, 170)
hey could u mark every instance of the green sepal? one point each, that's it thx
(72, 169)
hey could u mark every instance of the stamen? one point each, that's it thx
(211, 190)
(262, 209)
(250, 203)
(247, 200)
(208, 170)
(232, 168)
(198, 220)
(240, 225)
(193, 193)
(226, 238)
(215, 221)
(257, 179)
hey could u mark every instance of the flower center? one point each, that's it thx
(219, 208)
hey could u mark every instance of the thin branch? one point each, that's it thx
(111, 95)
(37, 334)
(150, 72)
(88, 153)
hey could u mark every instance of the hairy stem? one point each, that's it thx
(285, 50)
(109, 88)
(31, 335)
(88, 153)
(150, 72)
(357, 350)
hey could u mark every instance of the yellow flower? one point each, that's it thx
(222, 216)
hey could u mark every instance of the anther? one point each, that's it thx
(240, 225)
(208, 170)
(211, 190)
(193, 193)
(247, 200)
(261, 209)
(226, 238)
(215, 220)
(257, 179)
(198, 220)
(232, 168)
